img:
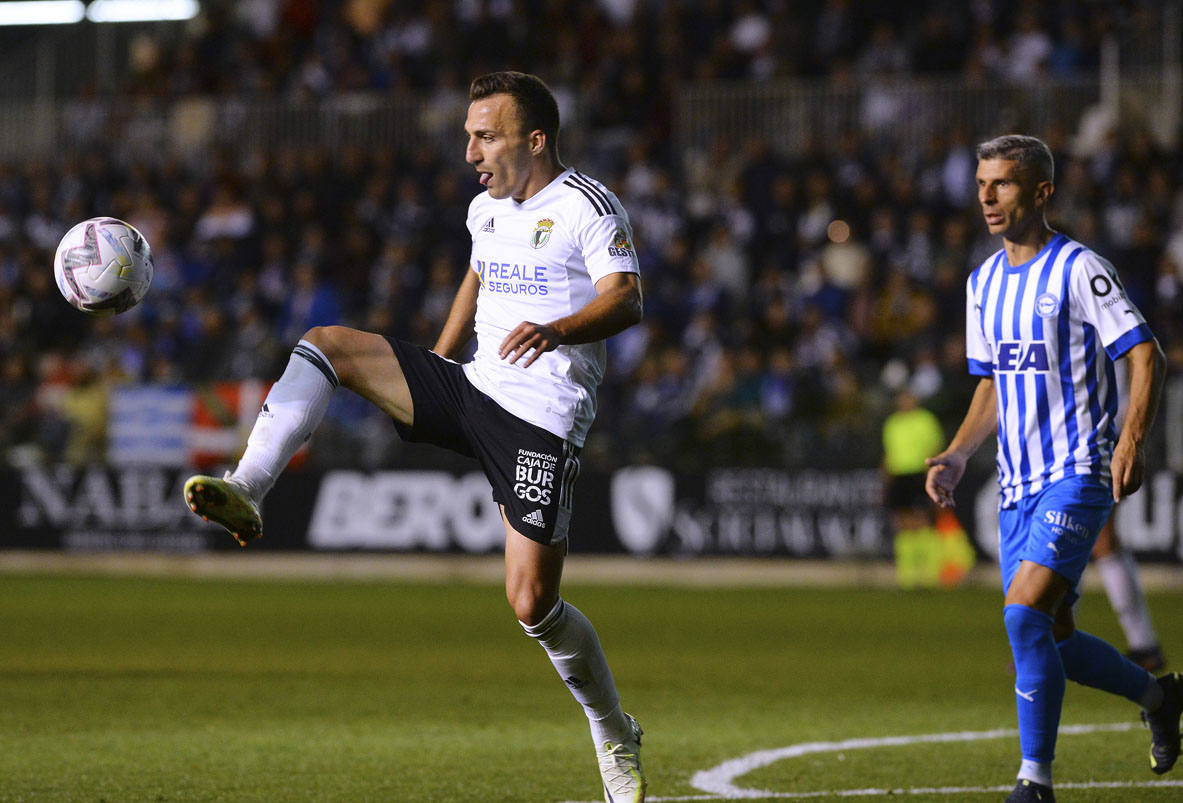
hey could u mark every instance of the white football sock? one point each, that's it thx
(1153, 697)
(1035, 772)
(1119, 574)
(571, 642)
(292, 410)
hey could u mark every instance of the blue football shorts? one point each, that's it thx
(1056, 528)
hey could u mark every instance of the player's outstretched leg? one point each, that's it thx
(225, 502)
(1164, 724)
(293, 408)
(1030, 792)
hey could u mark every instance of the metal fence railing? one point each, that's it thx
(140, 129)
(145, 129)
(788, 114)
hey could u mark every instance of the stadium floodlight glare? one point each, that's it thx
(142, 10)
(42, 12)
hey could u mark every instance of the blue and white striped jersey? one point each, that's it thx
(1048, 331)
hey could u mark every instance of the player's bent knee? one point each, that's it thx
(342, 347)
(530, 605)
(329, 339)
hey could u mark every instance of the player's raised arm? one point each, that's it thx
(946, 468)
(461, 323)
(616, 306)
(1146, 364)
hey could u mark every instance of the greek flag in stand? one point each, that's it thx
(1048, 331)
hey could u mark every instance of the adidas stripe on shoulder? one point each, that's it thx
(595, 193)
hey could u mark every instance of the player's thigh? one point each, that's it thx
(1055, 529)
(1038, 587)
(1106, 540)
(533, 572)
(366, 364)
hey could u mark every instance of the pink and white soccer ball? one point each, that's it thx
(103, 266)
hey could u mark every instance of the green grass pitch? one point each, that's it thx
(171, 689)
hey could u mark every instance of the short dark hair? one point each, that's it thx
(537, 107)
(1032, 154)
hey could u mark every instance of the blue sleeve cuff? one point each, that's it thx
(1139, 334)
(979, 368)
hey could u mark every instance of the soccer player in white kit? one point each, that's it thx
(553, 273)
(1046, 320)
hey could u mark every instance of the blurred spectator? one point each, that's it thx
(1028, 49)
(20, 414)
(312, 301)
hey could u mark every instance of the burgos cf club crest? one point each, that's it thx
(542, 233)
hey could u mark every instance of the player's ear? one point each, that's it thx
(1043, 193)
(537, 142)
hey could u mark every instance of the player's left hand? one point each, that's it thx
(526, 336)
(944, 472)
(1128, 467)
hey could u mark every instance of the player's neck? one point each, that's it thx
(1026, 247)
(542, 173)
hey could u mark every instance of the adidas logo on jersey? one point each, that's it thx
(535, 518)
(488, 226)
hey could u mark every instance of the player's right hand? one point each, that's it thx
(944, 472)
(526, 336)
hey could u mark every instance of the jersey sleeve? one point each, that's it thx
(977, 345)
(474, 222)
(607, 246)
(1103, 303)
(474, 213)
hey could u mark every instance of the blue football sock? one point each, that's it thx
(1039, 680)
(1091, 661)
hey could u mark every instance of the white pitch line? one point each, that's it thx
(717, 782)
(932, 790)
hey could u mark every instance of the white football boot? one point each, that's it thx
(620, 768)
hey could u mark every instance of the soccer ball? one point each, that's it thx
(103, 266)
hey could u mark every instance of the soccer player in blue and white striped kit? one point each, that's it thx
(1046, 319)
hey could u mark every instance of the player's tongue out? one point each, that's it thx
(484, 179)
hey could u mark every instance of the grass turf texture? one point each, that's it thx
(121, 688)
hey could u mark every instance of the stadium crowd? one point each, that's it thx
(787, 302)
(623, 52)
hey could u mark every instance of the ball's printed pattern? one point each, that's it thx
(103, 266)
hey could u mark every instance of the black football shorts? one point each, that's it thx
(906, 492)
(532, 471)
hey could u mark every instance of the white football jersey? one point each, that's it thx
(538, 261)
(1048, 332)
